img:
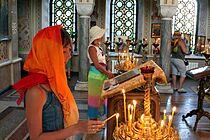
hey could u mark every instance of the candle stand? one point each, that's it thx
(146, 127)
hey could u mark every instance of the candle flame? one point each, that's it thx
(117, 115)
(170, 117)
(174, 109)
(129, 106)
(164, 111)
(134, 102)
(142, 116)
(123, 91)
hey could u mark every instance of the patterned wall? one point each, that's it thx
(23, 25)
(29, 23)
(4, 55)
(202, 21)
(208, 35)
(146, 19)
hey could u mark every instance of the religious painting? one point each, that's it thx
(200, 44)
(155, 30)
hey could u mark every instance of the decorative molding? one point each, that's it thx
(85, 8)
(168, 11)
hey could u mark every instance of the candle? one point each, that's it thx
(119, 57)
(173, 110)
(117, 116)
(131, 112)
(164, 116)
(171, 117)
(169, 122)
(129, 122)
(110, 117)
(134, 109)
(129, 108)
(162, 124)
(137, 60)
(124, 98)
(133, 60)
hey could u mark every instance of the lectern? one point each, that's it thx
(200, 74)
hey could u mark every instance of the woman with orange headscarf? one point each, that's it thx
(51, 110)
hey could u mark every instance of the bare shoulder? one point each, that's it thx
(36, 95)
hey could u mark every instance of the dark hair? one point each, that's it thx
(65, 37)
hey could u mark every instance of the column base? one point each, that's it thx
(81, 86)
(166, 89)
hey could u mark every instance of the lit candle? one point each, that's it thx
(130, 122)
(131, 112)
(124, 98)
(164, 116)
(171, 117)
(117, 116)
(169, 122)
(129, 108)
(162, 124)
(134, 109)
(173, 110)
(110, 117)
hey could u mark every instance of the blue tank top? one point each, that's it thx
(52, 114)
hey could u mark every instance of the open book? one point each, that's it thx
(114, 82)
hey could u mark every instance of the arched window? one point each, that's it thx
(123, 19)
(185, 19)
(64, 12)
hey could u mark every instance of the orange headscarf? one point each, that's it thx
(46, 57)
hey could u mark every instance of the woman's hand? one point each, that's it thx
(109, 74)
(89, 127)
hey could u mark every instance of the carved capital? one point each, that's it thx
(85, 8)
(168, 11)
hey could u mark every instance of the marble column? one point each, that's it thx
(84, 9)
(168, 10)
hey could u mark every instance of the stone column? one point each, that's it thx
(84, 9)
(168, 10)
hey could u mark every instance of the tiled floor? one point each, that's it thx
(184, 102)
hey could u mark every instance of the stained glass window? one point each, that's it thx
(123, 20)
(185, 19)
(64, 12)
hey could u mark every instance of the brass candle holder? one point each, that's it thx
(145, 128)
